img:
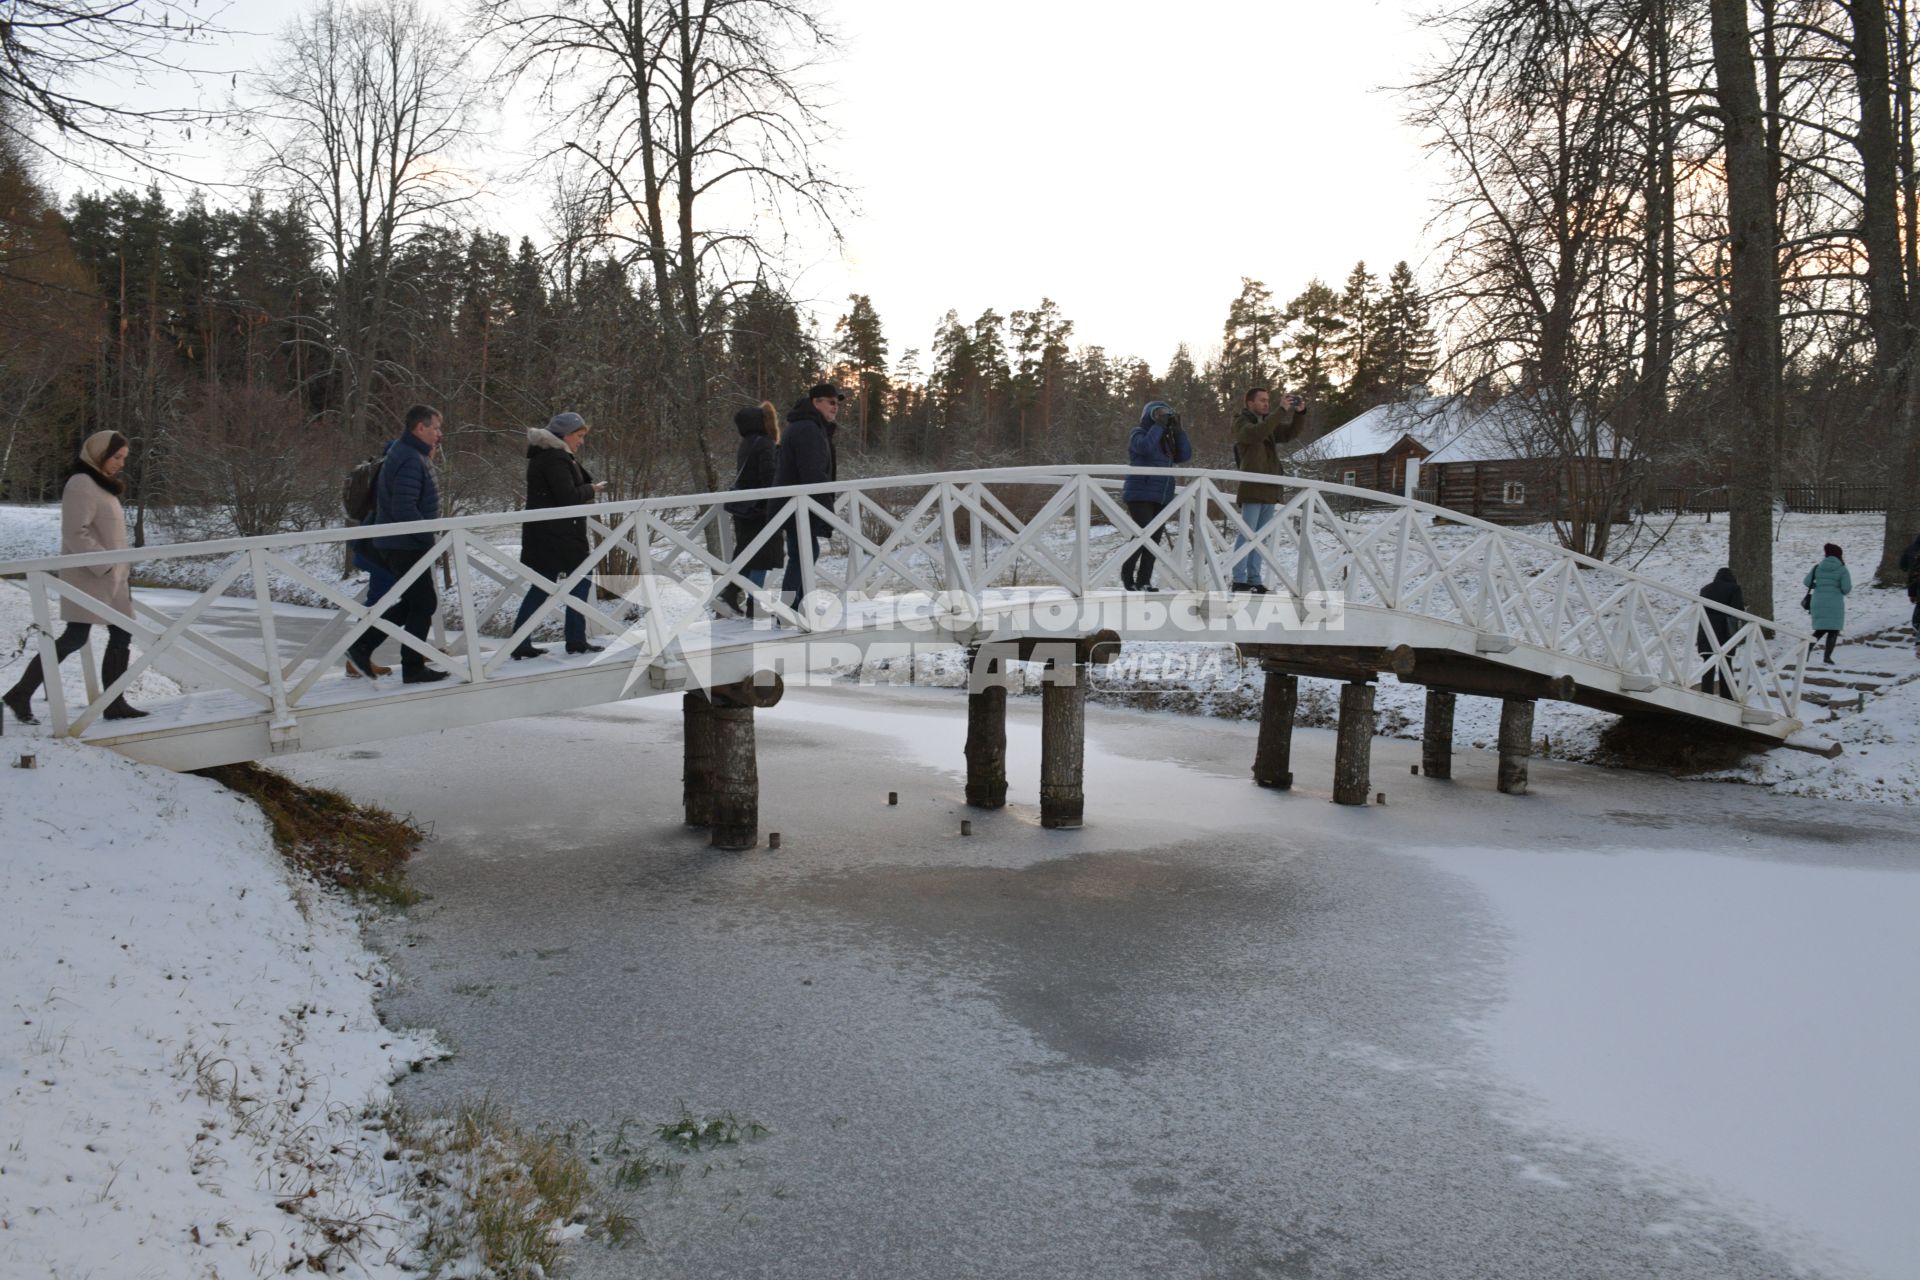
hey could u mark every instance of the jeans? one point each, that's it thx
(1248, 567)
(412, 612)
(575, 625)
(758, 577)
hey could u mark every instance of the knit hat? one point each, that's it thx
(1832, 549)
(565, 424)
(750, 420)
(96, 448)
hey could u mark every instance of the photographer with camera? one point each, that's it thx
(1159, 441)
(1257, 437)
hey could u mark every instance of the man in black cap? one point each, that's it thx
(807, 457)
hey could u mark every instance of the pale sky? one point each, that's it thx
(1130, 159)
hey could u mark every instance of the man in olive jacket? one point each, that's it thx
(1257, 437)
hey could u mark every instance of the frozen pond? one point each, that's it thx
(1625, 1026)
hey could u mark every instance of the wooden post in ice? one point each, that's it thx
(1353, 745)
(1516, 743)
(1436, 736)
(696, 778)
(735, 789)
(986, 732)
(1063, 743)
(1273, 751)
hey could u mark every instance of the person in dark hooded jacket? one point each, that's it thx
(1910, 561)
(807, 456)
(1719, 627)
(1159, 441)
(555, 548)
(757, 465)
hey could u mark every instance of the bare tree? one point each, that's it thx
(58, 56)
(360, 117)
(690, 125)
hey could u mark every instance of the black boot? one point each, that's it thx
(19, 699)
(112, 667)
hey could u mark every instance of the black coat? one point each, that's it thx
(807, 455)
(757, 464)
(1723, 590)
(555, 478)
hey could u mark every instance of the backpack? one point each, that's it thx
(356, 495)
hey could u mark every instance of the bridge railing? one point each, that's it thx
(1027, 529)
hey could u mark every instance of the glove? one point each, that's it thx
(1171, 422)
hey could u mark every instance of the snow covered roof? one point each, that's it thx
(1451, 429)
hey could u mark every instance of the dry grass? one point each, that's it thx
(1649, 742)
(517, 1196)
(329, 837)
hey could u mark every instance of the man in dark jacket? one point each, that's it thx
(555, 548)
(1723, 590)
(1910, 561)
(1257, 437)
(807, 456)
(405, 492)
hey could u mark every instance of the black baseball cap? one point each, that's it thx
(826, 391)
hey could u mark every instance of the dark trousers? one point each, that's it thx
(575, 625)
(790, 582)
(1137, 573)
(1714, 682)
(119, 652)
(412, 612)
(1831, 637)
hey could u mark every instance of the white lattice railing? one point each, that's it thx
(916, 537)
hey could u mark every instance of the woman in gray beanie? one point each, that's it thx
(556, 548)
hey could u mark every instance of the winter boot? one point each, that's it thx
(112, 667)
(19, 699)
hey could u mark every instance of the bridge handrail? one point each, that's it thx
(992, 475)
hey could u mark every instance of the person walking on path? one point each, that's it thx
(379, 581)
(807, 456)
(756, 464)
(1828, 585)
(406, 491)
(555, 548)
(1910, 561)
(1159, 441)
(1719, 628)
(1257, 437)
(91, 520)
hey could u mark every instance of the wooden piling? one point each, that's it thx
(1063, 744)
(696, 778)
(1353, 745)
(735, 812)
(1273, 752)
(1516, 744)
(1436, 737)
(987, 747)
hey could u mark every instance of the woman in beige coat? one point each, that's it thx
(90, 520)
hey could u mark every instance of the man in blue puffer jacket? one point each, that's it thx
(1159, 441)
(406, 491)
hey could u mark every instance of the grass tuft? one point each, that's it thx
(330, 837)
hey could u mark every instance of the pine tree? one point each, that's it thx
(1407, 349)
(1039, 354)
(1314, 327)
(1246, 352)
(861, 348)
(1356, 349)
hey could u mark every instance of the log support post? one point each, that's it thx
(1063, 743)
(1273, 753)
(986, 732)
(1353, 745)
(696, 776)
(1436, 736)
(733, 768)
(1516, 744)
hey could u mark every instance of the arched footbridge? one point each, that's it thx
(1360, 583)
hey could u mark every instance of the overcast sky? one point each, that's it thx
(1131, 159)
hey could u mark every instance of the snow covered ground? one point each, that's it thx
(191, 1064)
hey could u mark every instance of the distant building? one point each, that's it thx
(1493, 462)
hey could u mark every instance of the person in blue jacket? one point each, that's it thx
(1159, 441)
(406, 491)
(1829, 583)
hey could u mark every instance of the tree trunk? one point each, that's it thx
(1273, 753)
(1753, 317)
(696, 779)
(987, 747)
(1436, 735)
(735, 808)
(1063, 745)
(1353, 744)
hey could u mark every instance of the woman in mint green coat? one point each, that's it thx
(1829, 583)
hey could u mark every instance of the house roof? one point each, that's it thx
(1450, 430)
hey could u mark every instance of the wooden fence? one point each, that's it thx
(1819, 499)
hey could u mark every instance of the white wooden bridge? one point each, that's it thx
(1364, 583)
